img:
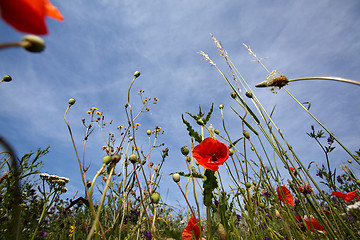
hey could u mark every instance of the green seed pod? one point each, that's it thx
(247, 185)
(33, 43)
(176, 177)
(115, 158)
(249, 94)
(155, 197)
(233, 95)
(148, 132)
(254, 183)
(185, 150)
(242, 190)
(72, 101)
(216, 131)
(231, 152)
(106, 159)
(358, 181)
(349, 161)
(188, 159)
(262, 205)
(6, 78)
(131, 138)
(137, 74)
(133, 158)
(246, 134)
(200, 122)
(221, 106)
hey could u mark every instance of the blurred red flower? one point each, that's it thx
(283, 191)
(211, 153)
(28, 15)
(315, 224)
(348, 197)
(192, 227)
(292, 169)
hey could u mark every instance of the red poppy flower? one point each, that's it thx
(28, 15)
(289, 200)
(211, 153)
(292, 169)
(315, 224)
(192, 228)
(348, 197)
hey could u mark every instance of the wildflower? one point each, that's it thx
(314, 223)
(289, 200)
(192, 228)
(148, 235)
(306, 189)
(157, 129)
(211, 153)
(120, 127)
(29, 15)
(348, 197)
(292, 169)
(98, 113)
(89, 112)
(137, 124)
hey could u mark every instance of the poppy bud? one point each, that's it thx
(233, 95)
(72, 101)
(221, 106)
(6, 78)
(185, 150)
(222, 232)
(115, 158)
(247, 185)
(262, 205)
(137, 74)
(176, 177)
(148, 132)
(133, 158)
(200, 122)
(349, 161)
(32, 43)
(246, 134)
(155, 197)
(216, 131)
(277, 214)
(188, 159)
(231, 152)
(106, 159)
(249, 94)
(242, 190)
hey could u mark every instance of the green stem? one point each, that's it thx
(324, 127)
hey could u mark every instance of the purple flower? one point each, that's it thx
(339, 179)
(216, 203)
(148, 235)
(266, 194)
(330, 140)
(42, 235)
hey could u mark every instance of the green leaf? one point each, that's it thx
(209, 185)
(207, 118)
(191, 131)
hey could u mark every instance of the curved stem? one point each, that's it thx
(327, 78)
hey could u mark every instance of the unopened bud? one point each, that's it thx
(233, 95)
(32, 43)
(106, 159)
(176, 177)
(185, 150)
(249, 94)
(246, 134)
(72, 101)
(133, 158)
(155, 197)
(137, 74)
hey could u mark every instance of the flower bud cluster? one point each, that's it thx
(56, 182)
(354, 209)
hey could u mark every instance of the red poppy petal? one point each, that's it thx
(52, 11)
(350, 196)
(292, 169)
(211, 153)
(25, 15)
(315, 224)
(339, 194)
(191, 227)
(288, 196)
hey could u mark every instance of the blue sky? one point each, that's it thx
(93, 54)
